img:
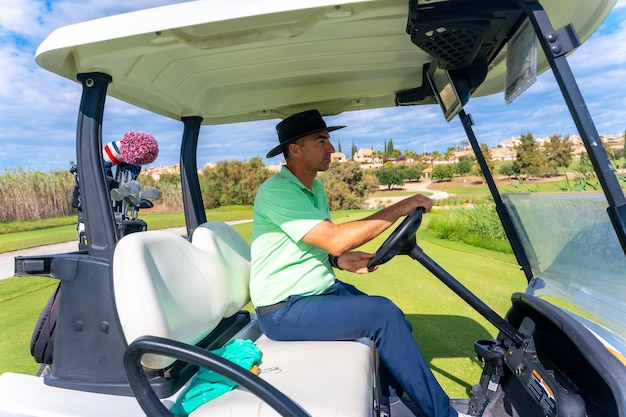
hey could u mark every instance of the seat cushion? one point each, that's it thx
(165, 286)
(324, 378)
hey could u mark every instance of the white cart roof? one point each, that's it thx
(232, 61)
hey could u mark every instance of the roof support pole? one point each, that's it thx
(94, 192)
(192, 195)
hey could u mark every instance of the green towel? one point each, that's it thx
(207, 384)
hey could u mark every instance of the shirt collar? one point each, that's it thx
(288, 175)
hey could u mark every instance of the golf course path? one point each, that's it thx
(409, 186)
(423, 186)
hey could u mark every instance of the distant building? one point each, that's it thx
(364, 156)
(338, 157)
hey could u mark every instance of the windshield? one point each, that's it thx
(576, 258)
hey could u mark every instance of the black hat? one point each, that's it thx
(297, 126)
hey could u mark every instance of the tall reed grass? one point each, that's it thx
(31, 195)
(476, 224)
(34, 195)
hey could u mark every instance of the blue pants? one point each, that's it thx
(345, 313)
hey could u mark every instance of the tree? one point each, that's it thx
(410, 155)
(484, 149)
(528, 160)
(443, 172)
(557, 153)
(354, 151)
(347, 185)
(390, 177)
(170, 178)
(410, 172)
(422, 159)
(379, 154)
(232, 182)
(389, 150)
(508, 170)
(339, 146)
(464, 166)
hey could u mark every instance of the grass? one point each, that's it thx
(31, 238)
(21, 301)
(444, 325)
(13, 227)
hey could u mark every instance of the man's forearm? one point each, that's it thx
(340, 238)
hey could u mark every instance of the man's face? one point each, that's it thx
(313, 151)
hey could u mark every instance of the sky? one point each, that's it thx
(38, 109)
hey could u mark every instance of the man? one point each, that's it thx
(295, 246)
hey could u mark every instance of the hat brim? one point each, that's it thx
(278, 149)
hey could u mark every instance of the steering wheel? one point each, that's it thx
(400, 241)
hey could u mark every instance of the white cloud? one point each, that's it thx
(19, 16)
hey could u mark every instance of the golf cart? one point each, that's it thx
(139, 315)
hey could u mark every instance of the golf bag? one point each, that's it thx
(42, 340)
(124, 225)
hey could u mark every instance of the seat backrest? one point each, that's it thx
(222, 241)
(166, 286)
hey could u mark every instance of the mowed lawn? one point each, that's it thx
(444, 325)
(21, 302)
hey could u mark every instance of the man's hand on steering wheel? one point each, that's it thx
(414, 202)
(355, 261)
(400, 241)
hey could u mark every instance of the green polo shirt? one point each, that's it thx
(282, 264)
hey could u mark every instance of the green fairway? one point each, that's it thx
(444, 325)
(21, 301)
